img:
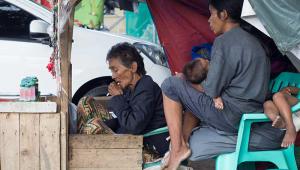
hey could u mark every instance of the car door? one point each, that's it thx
(20, 55)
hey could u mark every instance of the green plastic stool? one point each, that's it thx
(282, 158)
(151, 133)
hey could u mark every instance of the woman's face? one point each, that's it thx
(122, 75)
(215, 23)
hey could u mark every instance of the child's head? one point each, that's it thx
(195, 71)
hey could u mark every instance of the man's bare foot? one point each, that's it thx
(289, 137)
(278, 122)
(176, 157)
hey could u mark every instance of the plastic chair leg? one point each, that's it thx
(290, 155)
(226, 162)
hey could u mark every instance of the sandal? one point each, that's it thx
(165, 159)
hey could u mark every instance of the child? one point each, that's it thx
(280, 113)
(195, 72)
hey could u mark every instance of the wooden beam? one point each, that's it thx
(28, 107)
(80, 141)
(65, 46)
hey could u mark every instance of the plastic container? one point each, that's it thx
(29, 89)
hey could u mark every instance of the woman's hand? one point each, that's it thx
(114, 89)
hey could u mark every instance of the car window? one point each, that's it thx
(155, 54)
(14, 22)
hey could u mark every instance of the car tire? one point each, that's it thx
(96, 87)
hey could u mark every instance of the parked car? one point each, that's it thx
(25, 51)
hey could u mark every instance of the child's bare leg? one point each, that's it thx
(272, 112)
(281, 101)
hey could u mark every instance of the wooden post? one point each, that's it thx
(64, 46)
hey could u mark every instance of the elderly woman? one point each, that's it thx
(136, 101)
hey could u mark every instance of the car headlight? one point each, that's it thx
(154, 53)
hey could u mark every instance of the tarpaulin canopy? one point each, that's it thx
(181, 24)
(280, 20)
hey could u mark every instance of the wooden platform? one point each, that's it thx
(105, 152)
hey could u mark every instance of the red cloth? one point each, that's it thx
(45, 3)
(178, 30)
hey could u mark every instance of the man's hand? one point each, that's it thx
(218, 103)
(114, 89)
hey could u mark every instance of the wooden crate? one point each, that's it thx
(29, 136)
(105, 152)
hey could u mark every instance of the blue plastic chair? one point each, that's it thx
(283, 158)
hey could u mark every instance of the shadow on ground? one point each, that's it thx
(203, 165)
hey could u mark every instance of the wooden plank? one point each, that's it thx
(50, 141)
(29, 141)
(105, 141)
(9, 141)
(106, 158)
(1, 118)
(105, 169)
(28, 107)
(64, 140)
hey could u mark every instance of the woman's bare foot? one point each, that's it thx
(278, 122)
(176, 157)
(289, 137)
